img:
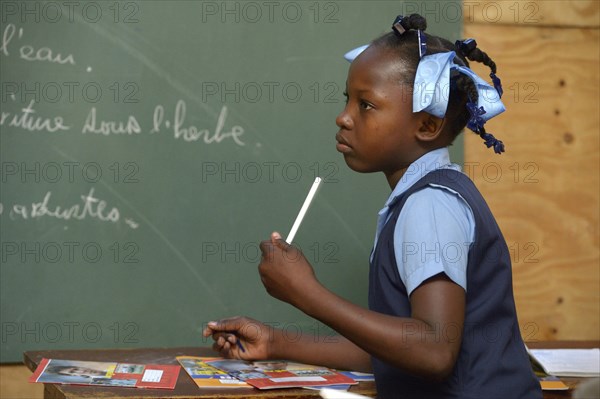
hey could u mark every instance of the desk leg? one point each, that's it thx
(51, 392)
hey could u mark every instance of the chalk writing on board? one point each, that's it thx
(29, 52)
(191, 133)
(89, 207)
(26, 120)
(110, 127)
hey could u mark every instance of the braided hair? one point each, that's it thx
(405, 42)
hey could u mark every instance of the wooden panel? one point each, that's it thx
(14, 385)
(579, 13)
(544, 190)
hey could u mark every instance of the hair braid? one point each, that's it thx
(466, 85)
(477, 55)
(414, 21)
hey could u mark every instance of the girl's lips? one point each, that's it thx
(342, 146)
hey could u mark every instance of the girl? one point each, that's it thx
(441, 321)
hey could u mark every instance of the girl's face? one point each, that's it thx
(377, 126)
(82, 371)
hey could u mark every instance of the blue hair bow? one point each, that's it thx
(352, 54)
(432, 87)
(432, 91)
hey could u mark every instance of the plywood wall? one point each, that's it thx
(545, 190)
(14, 385)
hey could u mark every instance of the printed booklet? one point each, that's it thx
(206, 376)
(106, 374)
(271, 374)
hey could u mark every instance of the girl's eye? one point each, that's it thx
(365, 105)
(362, 103)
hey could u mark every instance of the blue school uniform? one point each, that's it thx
(469, 248)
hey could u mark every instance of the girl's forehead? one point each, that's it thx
(377, 66)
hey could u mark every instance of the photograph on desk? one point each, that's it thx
(112, 374)
(281, 374)
(207, 376)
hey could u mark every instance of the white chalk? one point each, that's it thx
(303, 210)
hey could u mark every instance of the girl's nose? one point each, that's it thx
(343, 120)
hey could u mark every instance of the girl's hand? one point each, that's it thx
(233, 334)
(284, 271)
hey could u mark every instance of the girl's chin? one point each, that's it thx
(357, 166)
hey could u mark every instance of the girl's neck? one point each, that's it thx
(394, 177)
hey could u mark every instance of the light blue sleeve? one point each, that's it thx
(433, 235)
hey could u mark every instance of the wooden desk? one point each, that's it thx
(186, 389)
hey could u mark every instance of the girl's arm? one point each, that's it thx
(260, 341)
(426, 344)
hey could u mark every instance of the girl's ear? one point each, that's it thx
(430, 128)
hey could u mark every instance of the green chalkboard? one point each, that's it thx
(148, 146)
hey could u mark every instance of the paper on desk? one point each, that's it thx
(327, 393)
(568, 362)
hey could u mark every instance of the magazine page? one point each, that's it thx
(112, 374)
(280, 374)
(207, 376)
